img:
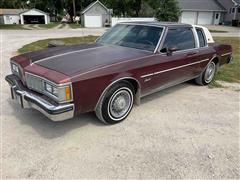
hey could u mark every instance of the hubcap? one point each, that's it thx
(210, 72)
(120, 104)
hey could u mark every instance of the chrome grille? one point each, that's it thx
(35, 83)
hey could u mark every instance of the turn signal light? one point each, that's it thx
(68, 93)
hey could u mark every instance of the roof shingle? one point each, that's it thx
(202, 5)
(12, 11)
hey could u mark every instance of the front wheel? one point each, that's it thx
(207, 76)
(116, 104)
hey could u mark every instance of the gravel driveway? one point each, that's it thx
(186, 131)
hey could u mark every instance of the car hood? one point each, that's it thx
(72, 60)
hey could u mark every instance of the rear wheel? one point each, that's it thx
(116, 104)
(207, 76)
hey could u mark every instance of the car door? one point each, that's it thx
(177, 60)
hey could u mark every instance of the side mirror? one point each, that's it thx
(171, 50)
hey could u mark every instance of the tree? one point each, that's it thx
(120, 7)
(137, 6)
(163, 10)
(168, 10)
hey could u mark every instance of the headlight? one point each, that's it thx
(61, 93)
(15, 69)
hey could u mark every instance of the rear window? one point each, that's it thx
(179, 38)
(202, 41)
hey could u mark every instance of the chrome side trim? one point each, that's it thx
(226, 54)
(64, 54)
(165, 87)
(171, 69)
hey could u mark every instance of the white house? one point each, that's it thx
(23, 16)
(233, 11)
(95, 15)
(203, 12)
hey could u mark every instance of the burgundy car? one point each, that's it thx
(128, 62)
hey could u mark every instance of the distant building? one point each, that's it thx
(202, 12)
(95, 15)
(23, 16)
(233, 10)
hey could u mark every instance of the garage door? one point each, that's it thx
(188, 17)
(205, 18)
(93, 21)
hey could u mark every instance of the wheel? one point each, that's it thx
(207, 76)
(116, 104)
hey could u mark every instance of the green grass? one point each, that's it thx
(217, 31)
(48, 26)
(11, 26)
(74, 25)
(41, 44)
(229, 72)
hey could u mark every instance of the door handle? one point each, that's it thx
(192, 53)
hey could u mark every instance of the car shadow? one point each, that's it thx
(166, 91)
(50, 130)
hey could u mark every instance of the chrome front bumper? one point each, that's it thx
(27, 99)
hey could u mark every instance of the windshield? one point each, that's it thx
(133, 36)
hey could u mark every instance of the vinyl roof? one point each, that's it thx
(201, 5)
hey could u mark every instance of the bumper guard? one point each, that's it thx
(27, 99)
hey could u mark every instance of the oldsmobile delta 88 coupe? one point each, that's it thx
(128, 62)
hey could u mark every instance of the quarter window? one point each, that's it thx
(202, 41)
(179, 39)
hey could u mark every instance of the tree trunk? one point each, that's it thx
(74, 8)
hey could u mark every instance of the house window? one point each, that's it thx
(233, 10)
(239, 10)
(217, 16)
(230, 10)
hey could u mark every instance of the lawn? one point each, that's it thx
(74, 25)
(12, 26)
(229, 73)
(48, 26)
(217, 31)
(41, 44)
